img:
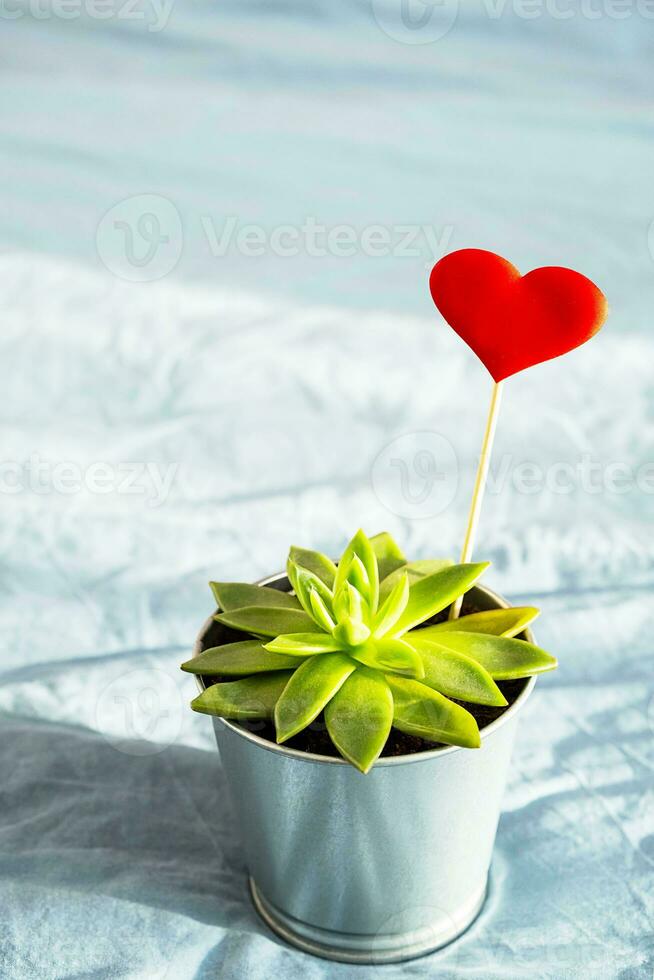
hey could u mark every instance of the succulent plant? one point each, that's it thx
(351, 641)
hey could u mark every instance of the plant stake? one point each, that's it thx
(511, 322)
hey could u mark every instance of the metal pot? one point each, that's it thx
(367, 869)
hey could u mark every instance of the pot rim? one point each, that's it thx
(383, 761)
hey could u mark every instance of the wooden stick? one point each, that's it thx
(480, 485)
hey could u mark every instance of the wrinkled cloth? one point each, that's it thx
(159, 434)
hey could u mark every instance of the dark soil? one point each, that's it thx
(315, 738)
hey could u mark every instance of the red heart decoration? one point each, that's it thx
(512, 321)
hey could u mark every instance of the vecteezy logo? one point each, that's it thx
(140, 239)
(416, 475)
(140, 712)
(415, 21)
(650, 238)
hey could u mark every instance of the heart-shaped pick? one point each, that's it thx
(512, 321)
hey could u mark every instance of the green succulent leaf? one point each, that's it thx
(504, 658)
(315, 562)
(236, 595)
(497, 622)
(419, 710)
(252, 697)
(361, 547)
(351, 633)
(320, 612)
(388, 553)
(358, 576)
(359, 717)
(238, 660)
(349, 604)
(309, 689)
(428, 595)
(304, 583)
(415, 570)
(303, 644)
(395, 604)
(454, 674)
(390, 655)
(265, 621)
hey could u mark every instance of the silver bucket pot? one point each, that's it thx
(368, 869)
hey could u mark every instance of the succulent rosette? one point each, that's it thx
(353, 640)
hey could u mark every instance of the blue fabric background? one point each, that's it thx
(267, 393)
